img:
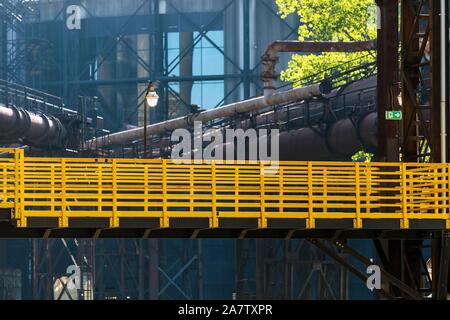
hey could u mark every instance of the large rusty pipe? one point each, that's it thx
(339, 141)
(38, 129)
(342, 139)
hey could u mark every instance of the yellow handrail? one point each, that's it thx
(65, 188)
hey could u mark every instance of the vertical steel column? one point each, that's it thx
(86, 261)
(141, 281)
(34, 268)
(245, 269)
(421, 85)
(421, 71)
(287, 270)
(246, 48)
(186, 42)
(410, 79)
(65, 55)
(435, 77)
(153, 245)
(43, 269)
(122, 284)
(200, 268)
(440, 264)
(260, 275)
(158, 58)
(388, 131)
(3, 50)
(446, 69)
(388, 148)
(47, 286)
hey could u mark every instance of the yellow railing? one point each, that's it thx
(114, 188)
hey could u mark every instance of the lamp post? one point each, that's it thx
(151, 100)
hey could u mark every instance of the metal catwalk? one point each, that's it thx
(147, 197)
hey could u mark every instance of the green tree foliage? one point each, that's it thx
(362, 156)
(329, 20)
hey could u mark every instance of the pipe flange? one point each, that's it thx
(22, 123)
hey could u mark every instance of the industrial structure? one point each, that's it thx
(78, 134)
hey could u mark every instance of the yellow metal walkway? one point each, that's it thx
(51, 194)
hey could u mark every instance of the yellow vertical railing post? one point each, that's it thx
(436, 190)
(64, 221)
(280, 190)
(215, 215)
(115, 217)
(311, 221)
(52, 188)
(358, 224)
(191, 190)
(5, 184)
(405, 221)
(443, 190)
(236, 190)
(262, 189)
(368, 188)
(99, 188)
(447, 198)
(410, 191)
(146, 193)
(165, 218)
(17, 195)
(325, 191)
(23, 220)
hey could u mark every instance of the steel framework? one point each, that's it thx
(118, 269)
(416, 83)
(288, 269)
(20, 49)
(72, 67)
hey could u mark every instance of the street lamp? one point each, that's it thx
(400, 96)
(151, 100)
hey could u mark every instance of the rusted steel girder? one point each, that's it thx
(420, 80)
(270, 58)
(388, 68)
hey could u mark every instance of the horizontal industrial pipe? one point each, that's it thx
(230, 110)
(319, 46)
(18, 124)
(339, 142)
(270, 57)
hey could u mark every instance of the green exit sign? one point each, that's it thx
(393, 115)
